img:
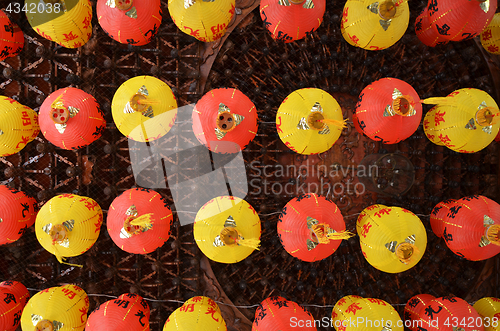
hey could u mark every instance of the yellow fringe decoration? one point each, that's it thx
(321, 232)
(144, 221)
(252, 243)
(61, 258)
(493, 234)
(148, 102)
(445, 101)
(340, 124)
(403, 248)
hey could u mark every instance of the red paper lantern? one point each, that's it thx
(450, 314)
(71, 118)
(128, 21)
(472, 228)
(11, 37)
(139, 221)
(427, 35)
(225, 120)
(414, 308)
(311, 228)
(460, 19)
(438, 214)
(290, 20)
(279, 314)
(128, 312)
(388, 110)
(15, 296)
(17, 213)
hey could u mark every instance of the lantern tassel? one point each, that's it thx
(61, 258)
(405, 252)
(144, 221)
(340, 235)
(445, 101)
(340, 124)
(322, 233)
(252, 243)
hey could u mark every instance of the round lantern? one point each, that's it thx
(18, 126)
(68, 22)
(204, 20)
(128, 312)
(465, 121)
(392, 239)
(490, 37)
(225, 120)
(388, 110)
(278, 314)
(196, 314)
(311, 227)
(17, 213)
(15, 296)
(71, 118)
(128, 21)
(290, 20)
(68, 225)
(438, 215)
(374, 25)
(356, 313)
(309, 121)
(144, 108)
(427, 35)
(414, 310)
(460, 19)
(472, 228)
(11, 37)
(227, 229)
(62, 308)
(489, 309)
(139, 221)
(450, 314)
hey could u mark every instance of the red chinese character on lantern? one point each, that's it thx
(446, 140)
(24, 140)
(354, 39)
(41, 33)
(25, 118)
(493, 48)
(278, 125)
(212, 311)
(353, 308)
(188, 308)
(68, 293)
(69, 36)
(86, 22)
(438, 118)
(377, 301)
(341, 302)
(341, 327)
(366, 228)
(486, 35)
(384, 211)
(194, 33)
(89, 204)
(231, 11)
(344, 15)
(196, 299)
(426, 124)
(82, 310)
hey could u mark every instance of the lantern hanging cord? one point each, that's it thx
(223, 303)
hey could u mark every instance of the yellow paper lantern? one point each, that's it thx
(227, 229)
(490, 37)
(144, 108)
(67, 22)
(374, 25)
(18, 126)
(354, 313)
(196, 314)
(465, 121)
(309, 121)
(68, 225)
(392, 239)
(489, 309)
(204, 20)
(62, 308)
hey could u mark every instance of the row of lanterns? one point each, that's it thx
(66, 308)
(227, 229)
(372, 25)
(308, 121)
